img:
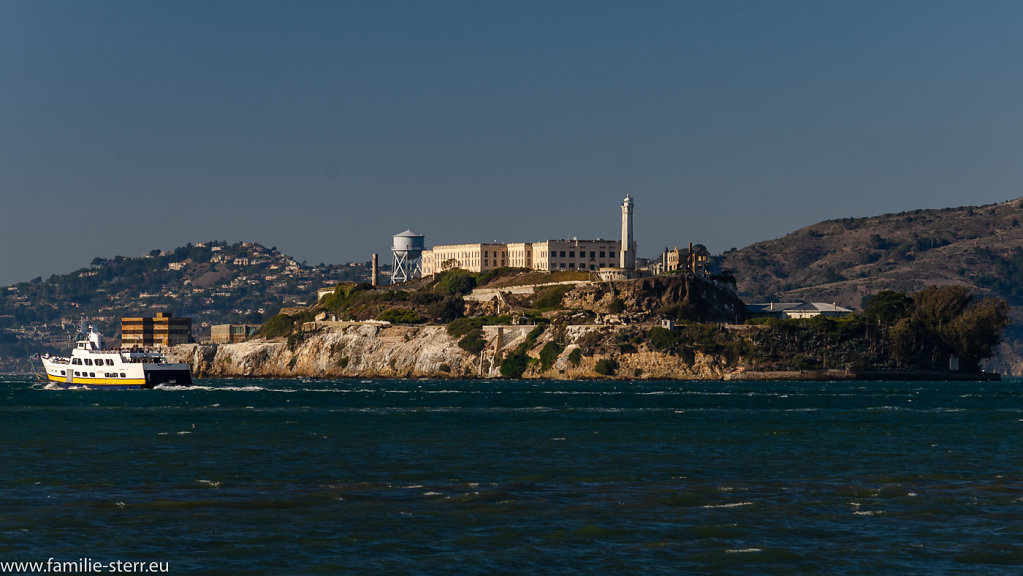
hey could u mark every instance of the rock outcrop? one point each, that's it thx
(368, 351)
(624, 312)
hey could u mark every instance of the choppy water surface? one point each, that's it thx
(471, 477)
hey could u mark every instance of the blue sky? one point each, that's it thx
(323, 128)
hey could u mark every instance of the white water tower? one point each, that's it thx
(407, 250)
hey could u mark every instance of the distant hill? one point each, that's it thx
(846, 260)
(210, 282)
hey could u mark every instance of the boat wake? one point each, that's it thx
(218, 388)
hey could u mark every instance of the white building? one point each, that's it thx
(547, 255)
(798, 309)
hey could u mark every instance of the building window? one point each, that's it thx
(602, 254)
(593, 254)
(571, 264)
(592, 267)
(562, 253)
(571, 253)
(612, 254)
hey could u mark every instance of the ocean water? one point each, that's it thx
(517, 477)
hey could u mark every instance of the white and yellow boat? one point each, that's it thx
(92, 366)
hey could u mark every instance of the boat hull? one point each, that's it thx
(152, 379)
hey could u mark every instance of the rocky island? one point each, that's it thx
(514, 323)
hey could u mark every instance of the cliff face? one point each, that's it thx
(685, 297)
(353, 351)
(365, 351)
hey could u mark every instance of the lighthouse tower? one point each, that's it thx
(628, 252)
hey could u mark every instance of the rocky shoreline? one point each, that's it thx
(356, 350)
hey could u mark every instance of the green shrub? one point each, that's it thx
(305, 316)
(485, 278)
(295, 339)
(549, 355)
(606, 366)
(344, 296)
(662, 338)
(342, 362)
(575, 357)
(279, 325)
(803, 362)
(473, 342)
(400, 316)
(616, 306)
(456, 281)
(462, 326)
(447, 309)
(549, 297)
(396, 296)
(515, 363)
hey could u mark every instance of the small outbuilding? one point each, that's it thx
(797, 310)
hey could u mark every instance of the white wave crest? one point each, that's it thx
(729, 505)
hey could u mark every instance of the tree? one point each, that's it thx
(946, 321)
(975, 333)
(886, 307)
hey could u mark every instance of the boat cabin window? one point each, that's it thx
(122, 375)
(110, 362)
(63, 373)
(76, 373)
(76, 361)
(88, 361)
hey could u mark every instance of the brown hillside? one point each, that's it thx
(845, 260)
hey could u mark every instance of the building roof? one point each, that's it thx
(762, 307)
